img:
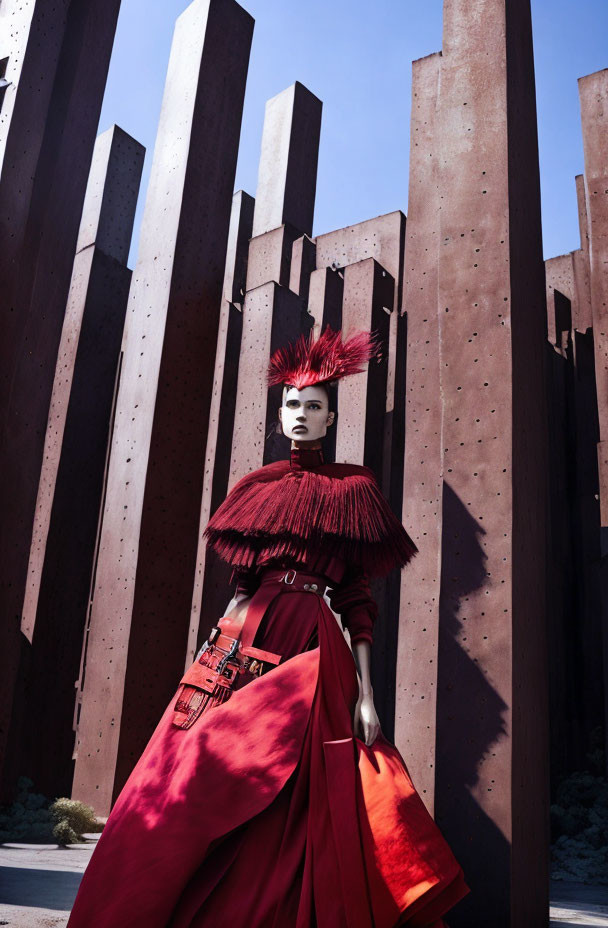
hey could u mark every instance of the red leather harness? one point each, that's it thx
(229, 653)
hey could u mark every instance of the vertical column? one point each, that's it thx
(71, 482)
(303, 263)
(287, 174)
(415, 707)
(273, 316)
(221, 415)
(58, 56)
(583, 318)
(492, 714)
(325, 298)
(147, 551)
(382, 238)
(593, 92)
(287, 182)
(272, 313)
(561, 298)
(368, 302)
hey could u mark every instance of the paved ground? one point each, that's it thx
(38, 883)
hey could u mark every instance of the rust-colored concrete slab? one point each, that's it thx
(272, 316)
(147, 551)
(287, 172)
(367, 304)
(72, 478)
(582, 317)
(561, 289)
(269, 257)
(221, 413)
(422, 486)
(382, 238)
(239, 233)
(492, 705)
(593, 92)
(58, 60)
(303, 263)
(325, 297)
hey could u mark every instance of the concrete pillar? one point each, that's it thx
(303, 263)
(491, 787)
(71, 483)
(582, 317)
(368, 303)
(593, 92)
(561, 298)
(382, 238)
(58, 56)
(287, 173)
(272, 314)
(422, 487)
(221, 415)
(326, 293)
(142, 593)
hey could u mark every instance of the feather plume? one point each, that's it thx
(306, 362)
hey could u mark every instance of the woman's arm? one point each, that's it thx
(366, 717)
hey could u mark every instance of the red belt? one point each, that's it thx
(229, 651)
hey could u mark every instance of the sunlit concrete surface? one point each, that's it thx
(38, 884)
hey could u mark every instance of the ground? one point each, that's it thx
(38, 883)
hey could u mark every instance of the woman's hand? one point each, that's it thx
(366, 719)
(367, 723)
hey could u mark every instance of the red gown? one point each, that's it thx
(268, 812)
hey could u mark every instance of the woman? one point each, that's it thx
(267, 796)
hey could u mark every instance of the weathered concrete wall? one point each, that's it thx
(593, 92)
(415, 706)
(71, 485)
(58, 61)
(149, 533)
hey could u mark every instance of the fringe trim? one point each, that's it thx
(291, 516)
(183, 704)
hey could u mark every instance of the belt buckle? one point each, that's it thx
(290, 571)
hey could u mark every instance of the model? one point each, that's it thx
(267, 796)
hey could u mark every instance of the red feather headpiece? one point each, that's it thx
(306, 362)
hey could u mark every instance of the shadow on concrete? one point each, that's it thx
(470, 722)
(42, 889)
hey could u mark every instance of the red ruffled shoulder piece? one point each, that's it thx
(288, 513)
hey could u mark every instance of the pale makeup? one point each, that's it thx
(304, 414)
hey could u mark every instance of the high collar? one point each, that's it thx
(305, 458)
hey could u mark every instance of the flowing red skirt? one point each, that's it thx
(269, 813)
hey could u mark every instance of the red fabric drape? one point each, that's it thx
(268, 813)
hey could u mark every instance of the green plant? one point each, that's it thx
(31, 817)
(579, 825)
(72, 819)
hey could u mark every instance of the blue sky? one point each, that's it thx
(357, 59)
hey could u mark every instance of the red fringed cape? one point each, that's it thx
(280, 511)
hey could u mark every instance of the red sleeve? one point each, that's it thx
(353, 601)
(246, 579)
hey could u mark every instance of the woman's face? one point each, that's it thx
(305, 414)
